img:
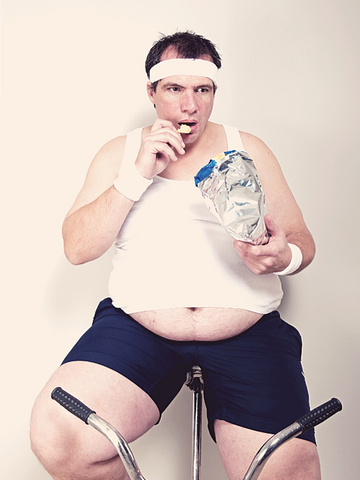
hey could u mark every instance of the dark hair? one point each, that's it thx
(187, 44)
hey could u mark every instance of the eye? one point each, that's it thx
(174, 89)
(203, 89)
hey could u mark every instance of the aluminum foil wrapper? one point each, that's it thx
(232, 190)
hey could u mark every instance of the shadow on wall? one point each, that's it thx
(77, 287)
(286, 303)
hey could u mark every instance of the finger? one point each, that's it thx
(169, 137)
(159, 123)
(161, 148)
(241, 247)
(271, 226)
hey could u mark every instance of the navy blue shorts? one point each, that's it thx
(254, 379)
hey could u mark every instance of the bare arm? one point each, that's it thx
(285, 222)
(91, 225)
(99, 211)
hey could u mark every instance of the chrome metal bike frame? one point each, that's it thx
(196, 383)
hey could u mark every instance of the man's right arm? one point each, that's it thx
(95, 219)
(93, 222)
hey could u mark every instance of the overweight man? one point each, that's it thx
(182, 291)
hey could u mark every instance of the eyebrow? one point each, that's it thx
(172, 84)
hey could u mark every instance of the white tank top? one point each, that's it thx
(172, 252)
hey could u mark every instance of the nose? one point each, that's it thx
(189, 103)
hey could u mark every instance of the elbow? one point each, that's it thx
(73, 255)
(70, 250)
(74, 247)
(75, 251)
(308, 254)
(312, 253)
(82, 248)
(311, 250)
(80, 252)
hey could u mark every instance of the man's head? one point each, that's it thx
(182, 70)
(185, 45)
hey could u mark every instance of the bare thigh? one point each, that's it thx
(295, 460)
(112, 396)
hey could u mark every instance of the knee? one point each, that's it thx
(48, 442)
(69, 449)
(42, 442)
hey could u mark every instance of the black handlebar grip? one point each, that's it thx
(72, 404)
(320, 414)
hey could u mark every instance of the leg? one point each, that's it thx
(295, 460)
(123, 372)
(67, 447)
(254, 383)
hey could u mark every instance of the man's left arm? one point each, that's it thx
(290, 240)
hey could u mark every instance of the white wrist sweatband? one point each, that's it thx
(296, 260)
(131, 183)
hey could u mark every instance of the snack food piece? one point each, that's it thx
(232, 190)
(184, 129)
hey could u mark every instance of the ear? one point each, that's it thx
(150, 92)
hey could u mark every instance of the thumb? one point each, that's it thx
(271, 226)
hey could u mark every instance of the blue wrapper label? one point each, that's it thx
(206, 171)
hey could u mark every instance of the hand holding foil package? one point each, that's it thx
(232, 190)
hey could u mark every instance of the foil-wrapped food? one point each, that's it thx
(232, 190)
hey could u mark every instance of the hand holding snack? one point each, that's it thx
(158, 148)
(270, 258)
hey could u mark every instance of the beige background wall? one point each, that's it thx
(72, 78)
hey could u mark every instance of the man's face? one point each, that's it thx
(184, 99)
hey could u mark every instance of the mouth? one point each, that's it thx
(191, 125)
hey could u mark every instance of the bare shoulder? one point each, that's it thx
(102, 172)
(109, 156)
(264, 159)
(257, 149)
(281, 202)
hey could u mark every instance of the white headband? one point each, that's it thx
(183, 66)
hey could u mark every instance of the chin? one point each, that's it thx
(191, 138)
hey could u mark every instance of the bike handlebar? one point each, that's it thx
(306, 422)
(320, 414)
(72, 404)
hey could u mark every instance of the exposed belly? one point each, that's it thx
(197, 324)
